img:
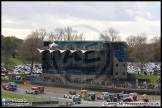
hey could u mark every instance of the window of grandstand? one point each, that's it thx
(123, 65)
(116, 65)
(123, 73)
(116, 73)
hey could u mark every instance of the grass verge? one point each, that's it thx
(18, 61)
(19, 96)
(152, 78)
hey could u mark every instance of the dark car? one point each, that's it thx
(76, 100)
(119, 96)
(10, 87)
(13, 85)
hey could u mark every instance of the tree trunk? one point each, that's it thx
(31, 68)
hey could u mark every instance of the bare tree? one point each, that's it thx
(131, 41)
(104, 36)
(57, 34)
(110, 34)
(80, 37)
(141, 52)
(68, 33)
(156, 40)
(65, 34)
(42, 33)
(156, 48)
(28, 52)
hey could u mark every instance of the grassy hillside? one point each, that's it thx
(153, 78)
(17, 61)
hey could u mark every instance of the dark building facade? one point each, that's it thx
(84, 59)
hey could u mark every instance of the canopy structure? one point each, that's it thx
(53, 44)
(51, 51)
(40, 50)
(72, 51)
(83, 51)
(62, 51)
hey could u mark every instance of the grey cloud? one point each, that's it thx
(108, 11)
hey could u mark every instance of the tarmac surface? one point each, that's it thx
(60, 97)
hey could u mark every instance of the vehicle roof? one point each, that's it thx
(119, 93)
(76, 97)
(105, 92)
(91, 93)
(11, 82)
(112, 94)
(34, 87)
(84, 90)
(125, 94)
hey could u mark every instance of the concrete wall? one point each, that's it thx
(119, 70)
(102, 77)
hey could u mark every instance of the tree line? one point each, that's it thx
(139, 49)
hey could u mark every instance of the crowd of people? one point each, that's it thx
(109, 83)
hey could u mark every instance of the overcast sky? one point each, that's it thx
(130, 18)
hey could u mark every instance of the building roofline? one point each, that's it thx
(87, 41)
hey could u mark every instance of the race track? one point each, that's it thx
(59, 97)
(54, 96)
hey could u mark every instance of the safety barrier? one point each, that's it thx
(16, 81)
